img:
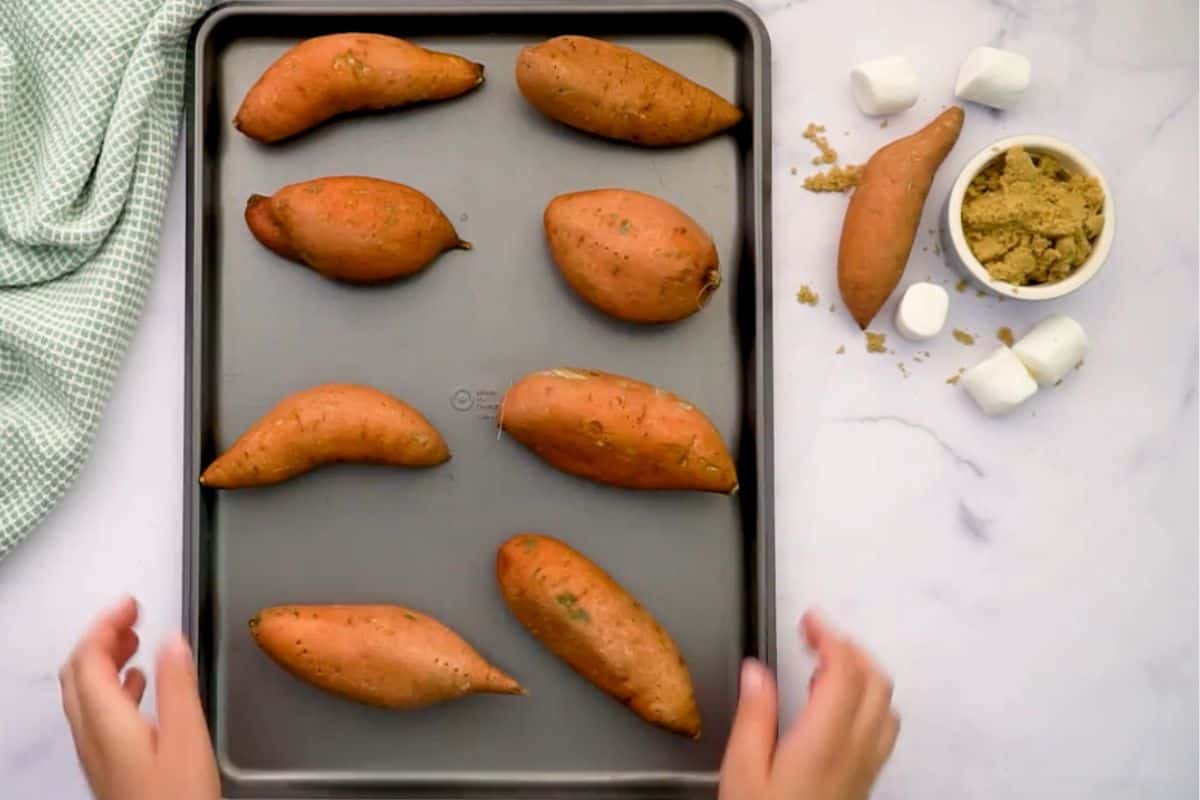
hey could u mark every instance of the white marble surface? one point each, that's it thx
(1030, 581)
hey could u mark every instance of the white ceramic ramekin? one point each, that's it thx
(955, 241)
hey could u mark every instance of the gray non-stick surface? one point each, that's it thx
(450, 341)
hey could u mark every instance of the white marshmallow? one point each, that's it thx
(884, 86)
(999, 383)
(922, 310)
(992, 77)
(1053, 348)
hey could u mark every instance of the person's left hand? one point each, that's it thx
(124, 755)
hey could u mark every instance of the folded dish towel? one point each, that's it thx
(90, 102)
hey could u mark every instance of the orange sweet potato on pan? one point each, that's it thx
(616, 430)
(632, 255)
(329, 75)
(382, 655)
(323, 425)
(884, 213)
(354, 229)
(612, 91)
(590, 621)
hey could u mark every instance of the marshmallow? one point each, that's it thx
(999, 383)
(921, 312)
(1052, 349)
(992, 77)
(884, 86)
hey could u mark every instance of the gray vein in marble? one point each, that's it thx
(1010, 7)
(1175, 111)
(975, 525)
(959, 459)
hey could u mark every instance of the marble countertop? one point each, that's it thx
(1031, 581)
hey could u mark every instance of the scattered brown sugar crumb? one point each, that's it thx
(807, 296)
(1005, 335)
(832, 308)
(903, 369)
(963, 337)
(953, 379)
(835, 179)
(875, 342)
(918, 359)
(841, 350)
(980, 293)
(1080, 364)
(883, 124)
(794, 170)
(960, 287)
(813, 134)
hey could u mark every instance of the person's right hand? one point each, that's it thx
(124, 755)
(838, 743)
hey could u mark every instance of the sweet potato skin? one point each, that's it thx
(590, 621)
(617, 431)
(632, 255)
(382, 655)
(612, 91)
(352, 228)
(885, 211)
(329, 423)
(329, 75)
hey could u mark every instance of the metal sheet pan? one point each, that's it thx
(450, 341)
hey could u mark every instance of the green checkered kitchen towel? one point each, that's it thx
(90, 101)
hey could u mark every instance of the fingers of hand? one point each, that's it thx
(815, 629)
(746, 768)
(79, 732)
(107, 632)
(104, 649)
(181, 725)
(821, 733)
(134, 684)
(886, 741)
(106, 726)
(838, 692)
(876, 725)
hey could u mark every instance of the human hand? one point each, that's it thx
(124, 755)
(837, 744)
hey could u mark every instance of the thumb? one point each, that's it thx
(181, 725)
(747, 763)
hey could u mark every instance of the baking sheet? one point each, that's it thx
(450, 341)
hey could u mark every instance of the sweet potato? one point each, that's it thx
(632, 255)
(617, 431)
(618, 93)
(322, 425)
(354, 229)
(590, 621)
(884, 213)
(381, 655)
(329, 75)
